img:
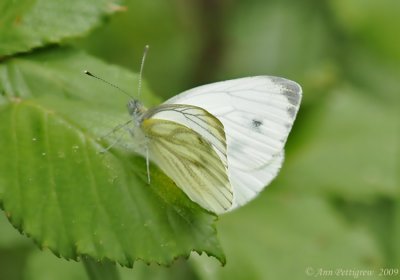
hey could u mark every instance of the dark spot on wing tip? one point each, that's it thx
(290, 89)
(292, 111)
(278, 80)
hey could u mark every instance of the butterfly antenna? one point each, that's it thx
(146, 49)
(110, 84)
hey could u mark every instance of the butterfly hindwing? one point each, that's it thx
(191, 161)
(197, 119)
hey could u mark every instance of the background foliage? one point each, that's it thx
(335, 204)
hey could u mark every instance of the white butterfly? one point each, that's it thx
(220, 143)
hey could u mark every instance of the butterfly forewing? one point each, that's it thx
(191, 161)
(257, 114)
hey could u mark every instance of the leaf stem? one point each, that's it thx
(105, 270)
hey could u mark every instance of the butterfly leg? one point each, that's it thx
(115, 129)
(144, 143)
(148, 164)
(112, 144)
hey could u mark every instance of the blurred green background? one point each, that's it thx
(335, 205)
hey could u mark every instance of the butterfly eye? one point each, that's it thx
(135, 108)
(131, 107)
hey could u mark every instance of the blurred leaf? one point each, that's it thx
(376, 75)
(10, 237)
(280, 236)
(372, 23)
(57, 188)
(350, 150)
(379, 217)
(28, 24)
(14, 251)
(395, 234)
(180, 269)
(168, 27)
(13, 262)
(100, 270)
(42, 265)
(291, 39)
(396, 227)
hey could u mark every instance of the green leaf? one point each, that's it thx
(350, 149)
(42, 265)
(288, 236)
(291, 39)
(100, 271)
(28, 24)
(9, 237)
(395, 234)
(58, 188)
(371, 23)
(181, 269)
(172, 31)
(379, 216)
(14, 251)
(375, 75)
